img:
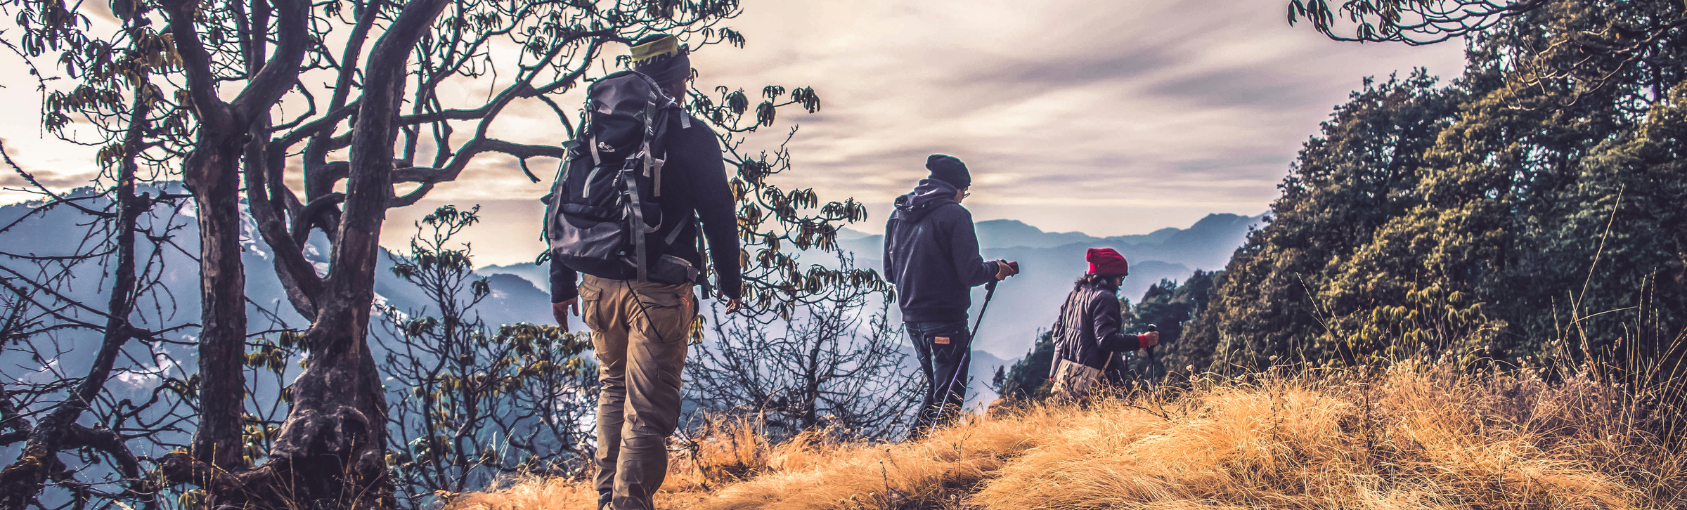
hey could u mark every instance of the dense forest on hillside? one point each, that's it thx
(1529, 208)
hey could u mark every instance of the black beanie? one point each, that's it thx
(948, 169)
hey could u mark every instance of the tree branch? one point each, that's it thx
(282, 70)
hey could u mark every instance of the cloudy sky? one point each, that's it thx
(1103, 117)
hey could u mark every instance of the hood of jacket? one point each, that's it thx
(926, 197)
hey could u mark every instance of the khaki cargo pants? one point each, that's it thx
(639, 330)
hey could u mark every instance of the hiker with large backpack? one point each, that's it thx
(1090, 328)
(931, 255)
(640, 180)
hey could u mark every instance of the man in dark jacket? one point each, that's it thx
(931, 255)
(640, 328)
(1088, 332)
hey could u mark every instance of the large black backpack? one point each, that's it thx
(603, 216)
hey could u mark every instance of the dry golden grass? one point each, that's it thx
(1401, 439)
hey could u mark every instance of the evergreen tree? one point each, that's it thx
(1348, 181)
(1519, 211)
(1028, 378)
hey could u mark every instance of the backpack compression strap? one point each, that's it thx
(635, 217)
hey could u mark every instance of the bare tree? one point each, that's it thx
(125, 238)
(52, 409)
(470, 403)
(837, 362)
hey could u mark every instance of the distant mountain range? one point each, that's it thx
(1049, 262)
(1022, 306)
(1205, 245)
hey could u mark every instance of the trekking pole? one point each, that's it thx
(1152, 328)
(1152, 360)
(989, 292)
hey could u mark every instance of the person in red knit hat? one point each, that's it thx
(1089, 329)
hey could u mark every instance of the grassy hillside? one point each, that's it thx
(1404, 438)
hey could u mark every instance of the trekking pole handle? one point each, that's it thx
(1000, 265)
(1152, 328)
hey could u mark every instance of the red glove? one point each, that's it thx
(1149, 339)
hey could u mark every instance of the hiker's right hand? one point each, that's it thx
(1005, 269)
(1149, 339)
(561, 310)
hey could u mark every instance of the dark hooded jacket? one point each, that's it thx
(931, 254)
(1089, 328)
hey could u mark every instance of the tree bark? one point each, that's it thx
(332, 447)
(212, 173)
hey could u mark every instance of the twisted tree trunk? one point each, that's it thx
(331, 450)
(212, 173)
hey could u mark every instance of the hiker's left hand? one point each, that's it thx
(1149, 339)
(732, 306)
(560, 312)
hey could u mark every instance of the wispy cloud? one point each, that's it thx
(1165, 110)
(1104, 117)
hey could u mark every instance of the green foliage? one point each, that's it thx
(1170, 306)
(1408, 21)
(775, 225)
(1028, 378)
(1531, 207)
(1346, 184)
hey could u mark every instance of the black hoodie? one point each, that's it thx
(931, 254)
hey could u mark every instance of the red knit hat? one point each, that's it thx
(1107, 261)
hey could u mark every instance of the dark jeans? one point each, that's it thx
(943, 349)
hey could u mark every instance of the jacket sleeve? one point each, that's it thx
(1058, 334)
(1105, 320)
(563, 286)
(890, 233)
(970, 267)
(715, 207)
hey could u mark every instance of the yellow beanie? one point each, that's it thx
(666, 45)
